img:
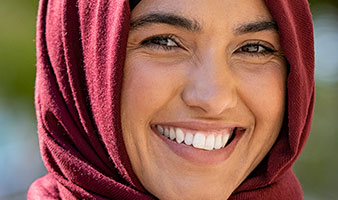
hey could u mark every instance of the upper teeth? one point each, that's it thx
(197, 139)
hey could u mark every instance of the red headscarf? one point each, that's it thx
(81, 47)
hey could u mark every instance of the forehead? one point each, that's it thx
(208, 12)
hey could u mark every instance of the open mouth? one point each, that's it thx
(206, 140)
(200, 143)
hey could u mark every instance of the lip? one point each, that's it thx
(200, 156)
(198, 126)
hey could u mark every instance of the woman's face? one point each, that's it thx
(203, 94)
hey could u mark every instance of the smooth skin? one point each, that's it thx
(224, 65)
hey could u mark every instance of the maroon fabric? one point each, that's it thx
(80, 56)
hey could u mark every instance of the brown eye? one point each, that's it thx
(164, 42)
(253, 48)
(256, 49)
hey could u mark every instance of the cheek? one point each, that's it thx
(146, 88)
(263, 91)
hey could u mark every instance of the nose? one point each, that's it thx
(211, 88)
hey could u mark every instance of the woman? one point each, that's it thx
(173, 99)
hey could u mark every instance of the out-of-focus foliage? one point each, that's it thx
(17, 50)
(20, 162)
(315, 3)
(317, 166)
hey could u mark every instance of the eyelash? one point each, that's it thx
(161, 42)
(260, 49)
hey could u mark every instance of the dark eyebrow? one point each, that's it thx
(256, 27)
(166, 18)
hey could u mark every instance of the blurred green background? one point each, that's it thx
(20, 162)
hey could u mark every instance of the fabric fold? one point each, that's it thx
(81, 48)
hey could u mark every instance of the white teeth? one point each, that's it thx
(179, 136)
(188, 139)
(199, 141)
(172, 134)
(218, 141)
(210, 142)
(225, 139)
(160, 129)
(166, 132)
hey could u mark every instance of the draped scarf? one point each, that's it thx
(81, 49)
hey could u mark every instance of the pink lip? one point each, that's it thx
(200, 156)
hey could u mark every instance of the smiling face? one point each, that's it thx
(203, 94)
